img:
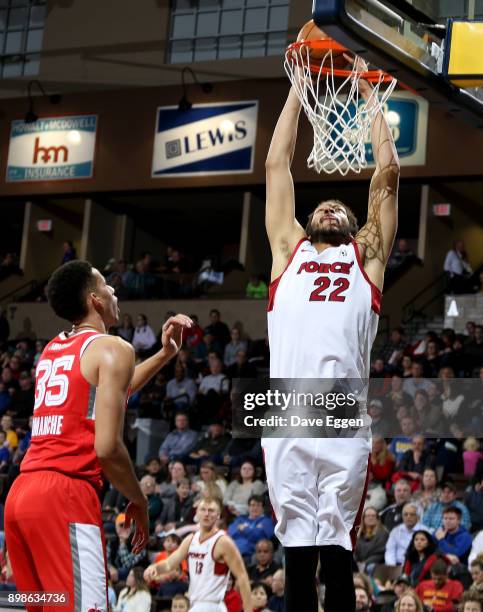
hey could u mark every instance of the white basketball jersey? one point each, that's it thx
(322, 315)
(208, 578)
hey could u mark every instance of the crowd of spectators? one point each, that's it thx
(420, 544)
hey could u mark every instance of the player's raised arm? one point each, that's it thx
(282, 227)
(171, 341)
(226, 549)
(174, 560)
(376, 237)
(111, 369)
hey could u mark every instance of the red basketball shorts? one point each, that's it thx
(55, 541)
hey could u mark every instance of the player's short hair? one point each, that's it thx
(211, 500)
(353, 225)
(67, 290)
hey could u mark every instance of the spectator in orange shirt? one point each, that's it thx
(176, 581)
(440, 593)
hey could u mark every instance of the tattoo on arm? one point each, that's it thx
(383, 186)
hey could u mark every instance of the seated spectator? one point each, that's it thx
(210, 445)
(381, 463)
(193, 335)
(476, 571)
(432, 359)
(231, 349)
(259, 597)
(429, 415)
(155, 505)
(23, 400)
(429, 492)
(241, 489)
(186, 359)
(474, 503)
(453, 539)
(213, 391)
(371, 540)
(406, 369)
(9, 266)
(416, 380)
(120, 557)
(471, 602)
(457, 269)
(256, 288)
(180, 390)
(471, 455)
(122, 292)
(242, 368)
(208, 475)
(440, 593)
(474, 349)
(395, 344)
(401, 535)
(363, 600)
(153, 468)
(415, 461)
(248, 529)
(433, 517)
(5, 398)
(403, 442)
(176, 581)
(219, 329)
(135, 597)
(68, 252)
(180, 603)
(264, 567)
(178, 510)
(4, 453)
(6, 424)
(239, 449)
(179, 442)
(392, 515)
(176, 471)
(409, 602)
(276, 602)
(420, 556)
(144, 337)
(380, 425)
(126, 329)
(209, 344)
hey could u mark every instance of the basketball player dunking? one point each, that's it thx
(211, 555)
(53, 521)
(324, 303)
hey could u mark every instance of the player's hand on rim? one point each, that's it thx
(172, 335)
(138, 514)
(361, 66)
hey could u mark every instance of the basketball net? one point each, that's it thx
(340, 117)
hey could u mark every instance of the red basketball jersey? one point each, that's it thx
(63, 429)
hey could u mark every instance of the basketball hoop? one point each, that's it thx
(330, 96)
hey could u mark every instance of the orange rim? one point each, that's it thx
(330, 44)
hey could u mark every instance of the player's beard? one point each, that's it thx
(333, 235)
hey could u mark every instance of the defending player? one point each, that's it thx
(211, 555)
(53, 519)
(323, 314)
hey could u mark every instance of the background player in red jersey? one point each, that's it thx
(53, 516)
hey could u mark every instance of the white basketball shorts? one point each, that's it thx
(317, 488)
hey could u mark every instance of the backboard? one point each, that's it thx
(406, 39)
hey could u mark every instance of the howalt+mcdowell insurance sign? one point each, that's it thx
(209, 139)
(52, 149)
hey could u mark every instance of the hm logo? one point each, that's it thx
(47, 154)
